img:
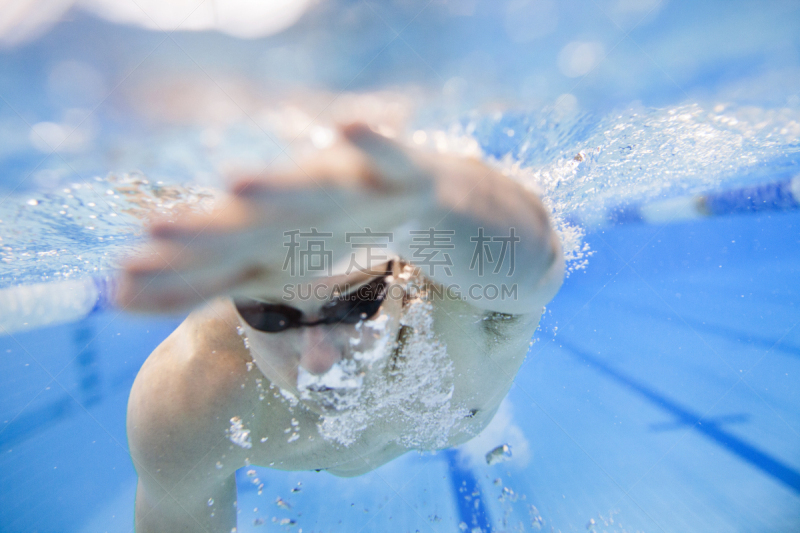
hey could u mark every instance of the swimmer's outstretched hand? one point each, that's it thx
(239, 249)
(366, 182)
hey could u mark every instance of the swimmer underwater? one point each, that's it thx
(358, 377)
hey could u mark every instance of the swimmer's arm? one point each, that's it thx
(472, 198)
(241, 248)
(179, 412)
(177, 416)
(367, 183)
(464, 198)
(188, 511)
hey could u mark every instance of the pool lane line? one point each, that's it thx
(472, 512)
(740, 336)
(780, 472)
(781, 195)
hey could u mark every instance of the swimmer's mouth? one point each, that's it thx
(322, 388)
(329, 400)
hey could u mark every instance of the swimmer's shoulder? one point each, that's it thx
(196, 382)
(486, 348)
(213, 327)
(204, 350)
(191, 382)
(456, 317)
(482, 342)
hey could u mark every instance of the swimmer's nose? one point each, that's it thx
(319, 353)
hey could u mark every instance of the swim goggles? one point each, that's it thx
(350, 308)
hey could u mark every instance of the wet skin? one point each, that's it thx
(202, 375)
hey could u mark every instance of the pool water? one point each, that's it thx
(659, 393)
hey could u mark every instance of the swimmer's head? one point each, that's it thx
(330, 326)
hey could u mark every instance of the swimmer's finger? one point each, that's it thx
(154, 292)
(153, 273)
(393, 162)
(135, 297)
(268, 183)
(158, 256)
(234, 216)
(169, 289)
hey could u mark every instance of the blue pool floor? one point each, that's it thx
(661, 394)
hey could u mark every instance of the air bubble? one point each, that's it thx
(499, 455)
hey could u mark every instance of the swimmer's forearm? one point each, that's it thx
(159, 511)
(470, 197)
(463, 198)
(459, 198)
(243, 248)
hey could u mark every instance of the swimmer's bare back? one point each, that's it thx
(204, 404)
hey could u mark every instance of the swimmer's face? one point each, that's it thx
(280, 355)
